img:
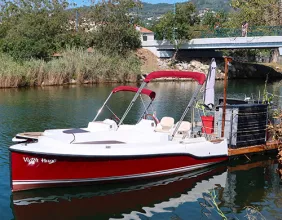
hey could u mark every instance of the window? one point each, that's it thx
(145, 38)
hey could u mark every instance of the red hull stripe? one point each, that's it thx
(143, 175)
(32, 171)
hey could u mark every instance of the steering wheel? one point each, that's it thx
(156, 121)
(115, 118)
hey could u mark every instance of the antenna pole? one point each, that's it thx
(76, 21)
(174, 13)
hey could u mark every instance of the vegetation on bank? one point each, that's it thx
(275, 131)
(73, 66)
(32, 30)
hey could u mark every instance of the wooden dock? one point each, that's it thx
(270, 145)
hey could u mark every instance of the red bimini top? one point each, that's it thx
(200, 77)
(147, 92)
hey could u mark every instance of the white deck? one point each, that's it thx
(102, 139)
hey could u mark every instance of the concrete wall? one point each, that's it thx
(150, 36)
(160, 53)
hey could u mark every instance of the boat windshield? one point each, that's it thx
(151, 94)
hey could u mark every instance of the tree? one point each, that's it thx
(214, 20)
(115, 26)
(255, 12)
(35, 28)
(177, 28)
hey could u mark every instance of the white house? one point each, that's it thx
(146, 35)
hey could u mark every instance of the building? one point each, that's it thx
(146, 35)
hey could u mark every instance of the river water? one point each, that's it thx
(241, 187)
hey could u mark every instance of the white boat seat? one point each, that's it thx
(165, 124)
(184, 128)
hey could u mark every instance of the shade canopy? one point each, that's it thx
(200, 77)
(147, 92)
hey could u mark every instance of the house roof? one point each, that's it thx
(142, 29)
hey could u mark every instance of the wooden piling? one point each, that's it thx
(226, 61)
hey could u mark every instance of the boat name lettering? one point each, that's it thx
(33, 160)
(30, 161)
(49, 161)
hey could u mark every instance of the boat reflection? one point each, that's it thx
(178, 197)
(112, 200)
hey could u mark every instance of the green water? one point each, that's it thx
(243, 183)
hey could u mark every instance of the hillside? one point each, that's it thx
(215, 5)
(152, 12)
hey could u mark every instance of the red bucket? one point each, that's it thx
(208, 123)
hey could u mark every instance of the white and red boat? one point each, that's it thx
(110, 151)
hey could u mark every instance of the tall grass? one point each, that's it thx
(74, 66)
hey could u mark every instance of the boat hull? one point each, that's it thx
(29, 171)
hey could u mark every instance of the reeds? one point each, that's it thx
(74, 66)
(275, 132)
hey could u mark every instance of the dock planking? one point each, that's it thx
(270, 145)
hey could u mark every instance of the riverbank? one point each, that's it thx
(73, 66)
(76, 66)
(275, 131)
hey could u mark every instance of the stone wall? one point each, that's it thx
(236, 70)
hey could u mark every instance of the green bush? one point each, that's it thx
(35, 28)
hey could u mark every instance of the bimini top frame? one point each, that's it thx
(147, 92)
(199, 77)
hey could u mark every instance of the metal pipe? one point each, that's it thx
(193, 119)
(193, 98)
(231, 126)
(112, 112)
(226, 60)
(132, 103)
(76, 21)
(266, 123)
(99, 111)
(143, 104)
(146, 110)
(174, 21)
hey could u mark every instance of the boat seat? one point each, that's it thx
(165, 124)
(185, 128)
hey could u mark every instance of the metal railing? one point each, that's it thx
(253, 31)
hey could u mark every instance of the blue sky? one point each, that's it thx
(86, 2)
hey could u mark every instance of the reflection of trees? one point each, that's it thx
(246, 185)
(276, 89)
(172, 97)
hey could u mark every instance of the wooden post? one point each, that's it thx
(226, 60)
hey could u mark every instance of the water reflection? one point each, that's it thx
(37, 109)
(179, 197)
(118, 201)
